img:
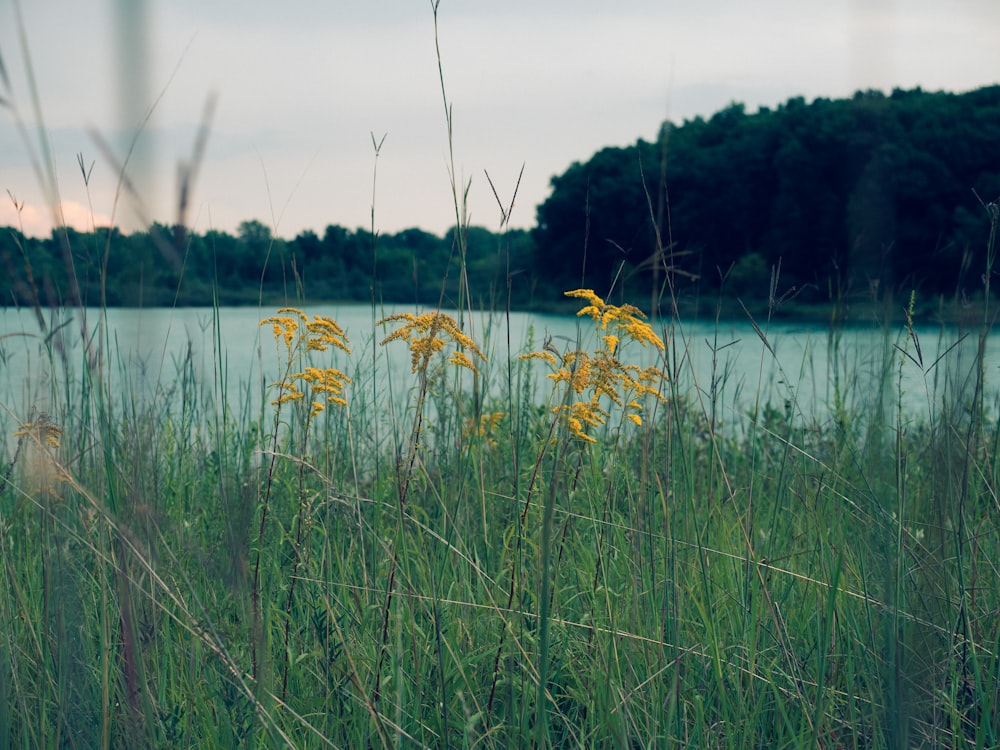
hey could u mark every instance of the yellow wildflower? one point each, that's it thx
(287, 391)
(576, 371)
(631, 322)
(640, 331)
(546, 356)
(320, 332)
(582, 413)
(601, 374)
(323, 332)
(43, 430)
(461, 359)
(301, 335)
(428, 334)
(587, 294)
(327, 380)
(284, 327)
(577, 429)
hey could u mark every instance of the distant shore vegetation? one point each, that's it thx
(838, 202)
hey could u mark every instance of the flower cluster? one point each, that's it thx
(428, 334)
(295, 328)
(591, 376)
(301, 335)
(628, 321)
(44, 430)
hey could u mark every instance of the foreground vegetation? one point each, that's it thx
(591, 562)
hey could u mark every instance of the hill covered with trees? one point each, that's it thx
(874, 194)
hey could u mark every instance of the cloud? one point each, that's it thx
(36, 221)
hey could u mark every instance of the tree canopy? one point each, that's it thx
(172, 266)
(873, 191)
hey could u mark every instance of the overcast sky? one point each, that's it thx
(301, 86)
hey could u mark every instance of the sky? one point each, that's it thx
(295, 97)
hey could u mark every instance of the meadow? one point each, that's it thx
(591, 562)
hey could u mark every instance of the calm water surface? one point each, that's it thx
(725, 370)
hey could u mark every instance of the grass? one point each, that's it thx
(176, 574)
(595, 563)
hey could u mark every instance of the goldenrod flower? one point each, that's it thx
(461, 359)
(329, 380)
(287, 391)
(546, 356)
(575, 370)
(596, 303)
(284, 327)
(428, 334)
(43, 430)
(576, 427)
(323, 332)
(301, 335)
(320, 332)
(593, 376)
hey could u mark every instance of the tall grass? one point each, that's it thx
(591, 562)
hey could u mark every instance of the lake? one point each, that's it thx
(724, 370)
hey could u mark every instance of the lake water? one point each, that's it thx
(723, 370)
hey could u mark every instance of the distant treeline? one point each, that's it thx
(877, 193)
(169, 265)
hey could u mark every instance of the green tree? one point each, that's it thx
(857, 194)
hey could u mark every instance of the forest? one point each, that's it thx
(167, 266)
(879, 194)
(849, 196)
